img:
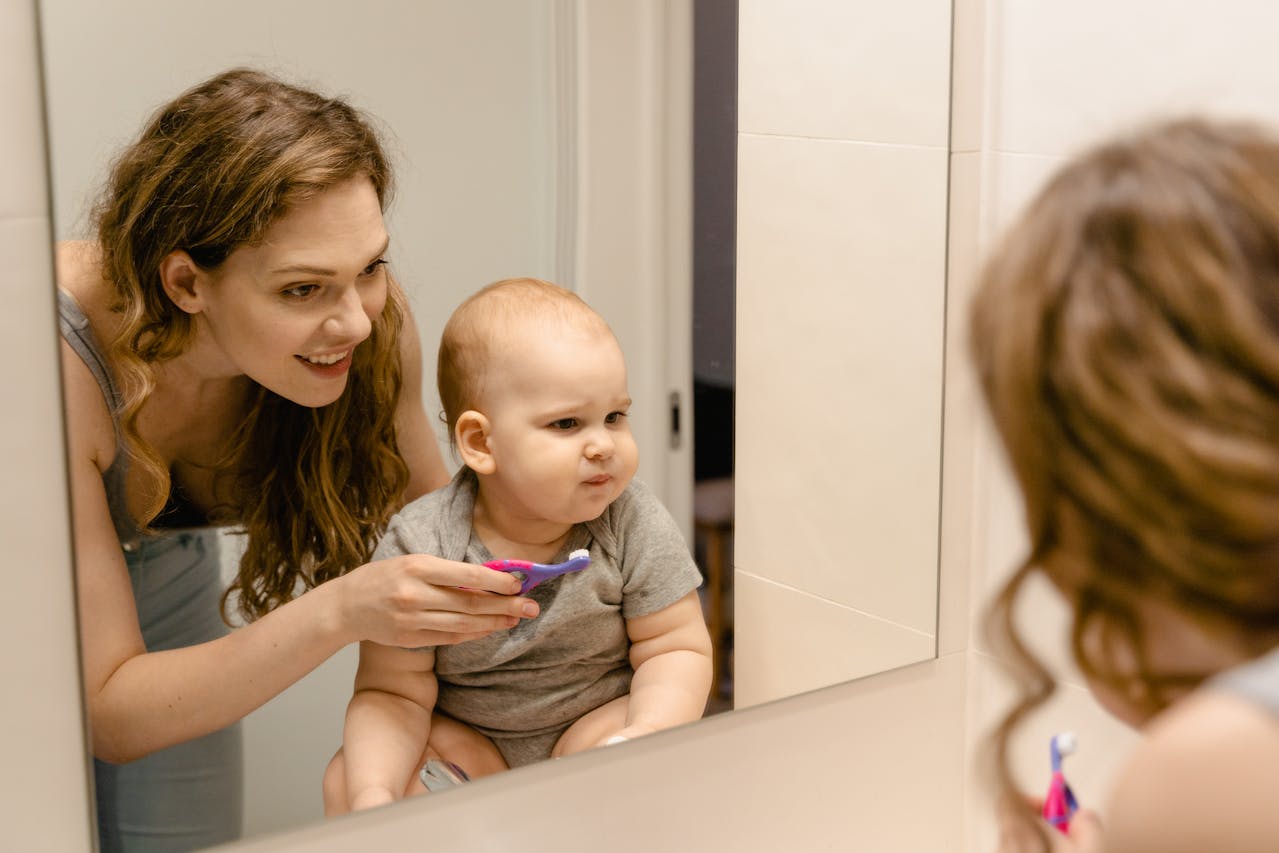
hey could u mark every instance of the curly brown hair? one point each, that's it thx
(212, 170)
(1126, 334)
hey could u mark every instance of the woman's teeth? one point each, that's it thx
(327, 359)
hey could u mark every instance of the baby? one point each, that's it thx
(533, 384)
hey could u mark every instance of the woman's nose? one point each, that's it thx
(349, 320)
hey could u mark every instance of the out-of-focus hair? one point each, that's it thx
(1126, 334)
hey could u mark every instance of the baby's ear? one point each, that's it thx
(471, 434)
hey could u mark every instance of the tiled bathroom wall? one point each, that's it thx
(842, 164)
(43, 791)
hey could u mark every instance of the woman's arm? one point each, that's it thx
(139, 702)
(388, 721)
(671, 656)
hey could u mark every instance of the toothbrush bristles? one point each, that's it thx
(580, 552)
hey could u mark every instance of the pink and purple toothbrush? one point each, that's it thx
(1060, 804)
(532, 574)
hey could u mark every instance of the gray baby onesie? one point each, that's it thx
(523, 687)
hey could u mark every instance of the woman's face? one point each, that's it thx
(289, 313)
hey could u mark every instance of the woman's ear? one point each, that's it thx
(471, 434)
(181, 277)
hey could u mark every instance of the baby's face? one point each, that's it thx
(561, 440)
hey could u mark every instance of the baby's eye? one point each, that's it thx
(564, 424)
(372, 268)
(300, 291)
(614, 417)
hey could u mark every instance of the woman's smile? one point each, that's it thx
(331, 365)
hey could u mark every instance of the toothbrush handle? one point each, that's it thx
(522, 569)
(532, 574)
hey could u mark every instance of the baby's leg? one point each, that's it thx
(593, 727)
(449, 741)
(463, 746)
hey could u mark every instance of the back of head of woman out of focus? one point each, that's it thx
(1126, 337)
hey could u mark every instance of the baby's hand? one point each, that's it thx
(625, 734)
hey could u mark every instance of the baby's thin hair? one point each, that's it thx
(506, 313)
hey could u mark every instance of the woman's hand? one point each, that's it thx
(1018, 836)
(418, 600)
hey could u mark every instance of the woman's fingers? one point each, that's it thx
(443, 638)
(1086, 831)
(435, 570)
(420, 600)
(1018, 835)
(485, 603)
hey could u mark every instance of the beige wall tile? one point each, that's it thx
(962, 409)
(846, 69)
(1066, 72)
(968, 75)
(840, 310)
(46, 798)
(787, 641)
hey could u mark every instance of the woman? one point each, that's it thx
(236, 352)
(1127, 338)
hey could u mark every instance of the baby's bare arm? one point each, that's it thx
(388, 721)
(671, 656)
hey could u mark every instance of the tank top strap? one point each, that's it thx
(74, 326)
(75, 330)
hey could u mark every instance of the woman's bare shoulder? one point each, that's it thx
(1202, 778)
(79, 271)
(90, 428)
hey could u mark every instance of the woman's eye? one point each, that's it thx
(372, 268)
(564, 423)
(300, 291)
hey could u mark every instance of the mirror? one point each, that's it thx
(545, 138)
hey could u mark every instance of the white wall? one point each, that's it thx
(460, 90)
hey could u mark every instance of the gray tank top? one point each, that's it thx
(1257, 681)
(177, 514)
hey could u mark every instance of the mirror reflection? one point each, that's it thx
(514, 156)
